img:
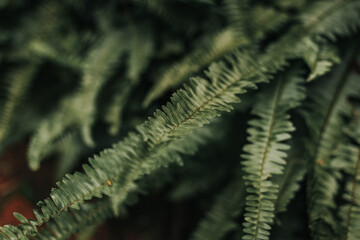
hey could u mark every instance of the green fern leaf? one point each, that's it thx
(334, 10)
(325, 116)
(289, 184)
(19, 80)
(68, 223)
(320, 58)
(140, 50)
(232, 37)
(265, 154)
(348, 160)
(137, 155)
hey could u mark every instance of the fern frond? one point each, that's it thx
(212, 48)
(138, 167)
(296, 42)
(69, 148)
(38, 29)
(116, 106)
(220, 218)
(327, 109)
(78, 109)
(224, 41)
(140, 50)
(265, 154)
(180, 15)
(66, 224)
(330, 12)
(140, 154)
(289, 184)
(97, 68)
(347, 159)
(320, 58)
(43, 49)
(189, 109)
(19, 80)
(72, 222)
(265, 19)
(290, 4)
(314, 20)
(235, 13)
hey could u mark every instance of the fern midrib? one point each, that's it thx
(264, 158)
(353, 191)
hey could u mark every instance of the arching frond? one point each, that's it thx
(214, 47)
(265, 154)
(330, 12)
(348, 160)
(189, 109)
(327, 109)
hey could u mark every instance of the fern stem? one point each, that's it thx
(353, 192)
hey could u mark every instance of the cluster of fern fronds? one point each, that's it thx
(79, 76)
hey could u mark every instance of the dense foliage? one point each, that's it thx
(79, 76)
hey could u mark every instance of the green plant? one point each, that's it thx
(78, 75)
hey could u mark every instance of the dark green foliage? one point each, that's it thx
(82, 76)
